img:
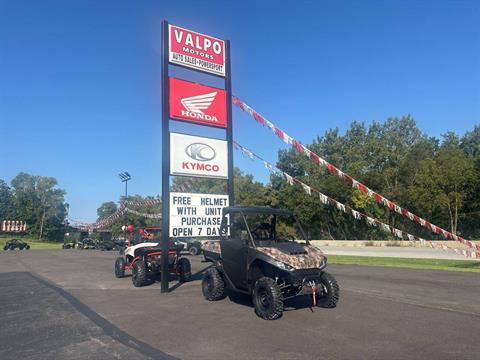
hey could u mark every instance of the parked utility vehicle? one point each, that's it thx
(143, 257)
(16, 244)
(194, 247)
(258, 254)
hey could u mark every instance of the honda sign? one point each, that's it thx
(198, 156)
(195, 50)
(197, 103)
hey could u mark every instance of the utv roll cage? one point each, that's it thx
(258, 210)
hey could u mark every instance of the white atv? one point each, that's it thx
(144, 260)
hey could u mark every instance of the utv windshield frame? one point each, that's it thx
(243, 211)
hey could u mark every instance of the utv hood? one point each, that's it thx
(296, 255)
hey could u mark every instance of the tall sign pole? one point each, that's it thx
(228, 89)
(165, 159)
(187, 214)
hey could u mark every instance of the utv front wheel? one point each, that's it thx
(139, 273)
(120, 267)
(267, 299)
(213, 286)
(330, 294)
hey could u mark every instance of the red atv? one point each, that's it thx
(143, 258)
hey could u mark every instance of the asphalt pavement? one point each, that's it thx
(67, 304)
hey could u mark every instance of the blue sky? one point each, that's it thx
(80, 80)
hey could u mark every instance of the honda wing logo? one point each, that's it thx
(196, 104)
(200, 152)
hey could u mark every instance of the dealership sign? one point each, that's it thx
(198, 156)
(198, 103)
(196, 214)
(194, 50)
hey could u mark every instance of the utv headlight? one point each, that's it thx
(284, 266)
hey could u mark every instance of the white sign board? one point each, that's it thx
(198, 156)
(194, 215)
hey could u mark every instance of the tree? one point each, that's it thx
(6, 202)
(106, 209)
(441, 185)
(470, 143)
(40, 203)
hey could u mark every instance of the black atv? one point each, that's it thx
(86, 243)
(257, 255)
(106, 245)
(16, 244)
(144, 260)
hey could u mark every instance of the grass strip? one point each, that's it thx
(433, 264)
(34, 244)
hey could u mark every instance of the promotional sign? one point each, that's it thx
(198, 156)
(13, 226)
(196, 214)
(198, 103)
(195, 50)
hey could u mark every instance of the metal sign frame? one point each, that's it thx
(166, 144)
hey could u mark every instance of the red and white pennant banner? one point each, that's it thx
(348, 210)
(149, 216)
(355, 184)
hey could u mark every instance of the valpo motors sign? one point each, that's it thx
(198, 156)
(198, 103)
(195, 50)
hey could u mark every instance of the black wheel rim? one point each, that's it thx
(263, 299)
(208, 284)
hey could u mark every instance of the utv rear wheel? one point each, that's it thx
(330, 295)
(120, 267)
(139, 274)
(267, 299)
(213, 286)
(193, 250)
(184, 270)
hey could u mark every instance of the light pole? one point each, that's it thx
(125, 177)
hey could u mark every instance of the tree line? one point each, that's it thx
(38, 201)
(436, 178)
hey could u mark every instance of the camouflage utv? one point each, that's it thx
(259, 254)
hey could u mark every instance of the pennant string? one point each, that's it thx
(347, 209)
(282, 135)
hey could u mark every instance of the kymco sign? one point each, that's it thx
(195, 50)
(198, 156)
(197, 103)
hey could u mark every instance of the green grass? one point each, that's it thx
(34, 243)
(434, 264)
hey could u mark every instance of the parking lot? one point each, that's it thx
(67, 304)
